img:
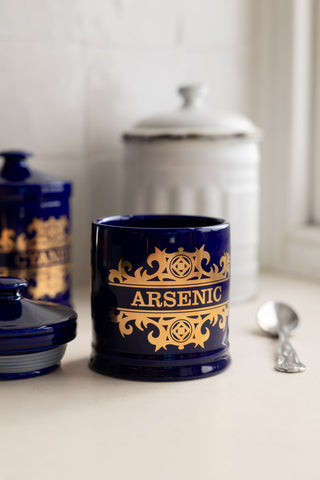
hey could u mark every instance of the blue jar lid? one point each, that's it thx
(17, 178)
(33, 334)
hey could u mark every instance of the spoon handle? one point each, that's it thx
(287, 360)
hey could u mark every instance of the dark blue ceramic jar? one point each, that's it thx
(35, 229)
(33, 335)
(160, 296)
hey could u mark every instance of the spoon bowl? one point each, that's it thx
(273, 316)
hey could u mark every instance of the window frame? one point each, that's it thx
(286, 87)
(316, 115)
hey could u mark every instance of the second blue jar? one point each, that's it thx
(35, 242)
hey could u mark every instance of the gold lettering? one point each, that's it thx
(58, 256)
(39, 259)
(210, 299)
(47, 258)
(54, 256)
(200, 295)
(217, 293)
(169, 299)
(154, 297)
(138, 300)
(184, 296)
(65, 255)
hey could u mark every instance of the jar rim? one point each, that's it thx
(161, 222)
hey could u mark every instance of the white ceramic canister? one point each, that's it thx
(195, 161)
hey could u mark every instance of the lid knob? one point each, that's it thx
(15, 168)
(193, 95)
(10, 288)
(15, 155)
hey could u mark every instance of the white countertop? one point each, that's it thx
(249, 422)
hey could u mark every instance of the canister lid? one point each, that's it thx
(28, 326)
(18, 178)
(194, 120)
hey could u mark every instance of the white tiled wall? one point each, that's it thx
(75, 73)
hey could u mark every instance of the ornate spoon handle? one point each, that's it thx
(287, 360)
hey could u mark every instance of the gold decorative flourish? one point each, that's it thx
(7, 240)
(173, 268)
(177, 317)
(41, 256)
(48, 233)
(49, 281)
(178, 329)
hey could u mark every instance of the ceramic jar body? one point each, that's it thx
(205, 176)
(160, 296)
(37, 247)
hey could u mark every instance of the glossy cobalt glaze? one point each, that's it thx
(160, 296)
(33, 335)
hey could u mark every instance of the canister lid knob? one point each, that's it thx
(15, 168)
(193, 121)
(10, 288)
(193, 95)
(19, 181)
(15, 155)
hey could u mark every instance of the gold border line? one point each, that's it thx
(187, 286)
(168, 312)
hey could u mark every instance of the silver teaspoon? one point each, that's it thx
(279, 320)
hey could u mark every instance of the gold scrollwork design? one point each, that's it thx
(173, 268)
(48, 233)
(49, 281)
(177, 326)
(178, 329)
(41, 255)
(7, 240)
